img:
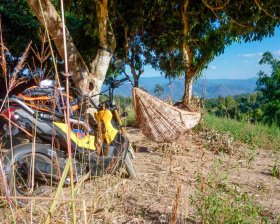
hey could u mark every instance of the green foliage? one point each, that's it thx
(263, 106)
(269, 86)
(123, 102)
(216, 202)
(210, 29)
(159, 90)
(260, 135)
(84, 41)
(130, 120)
(130, 23)
(18, 24)
(275, 170)
(244, 107)
(154, 30)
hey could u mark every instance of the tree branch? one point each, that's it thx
(106, 34)
(213, 9)
(187, 55)
(265, 11)
(217, 7)
(201, 63)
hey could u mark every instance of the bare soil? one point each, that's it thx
(247, 168)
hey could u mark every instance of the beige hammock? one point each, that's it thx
(160, 121)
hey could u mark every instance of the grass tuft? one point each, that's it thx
(275, 171)
(216, 201)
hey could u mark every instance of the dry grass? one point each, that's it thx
(171, 189)
(109, 199)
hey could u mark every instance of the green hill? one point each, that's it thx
(175, 88)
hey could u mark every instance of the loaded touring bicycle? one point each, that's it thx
(98, 142)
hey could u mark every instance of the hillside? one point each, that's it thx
(202, 176)
(214, 87)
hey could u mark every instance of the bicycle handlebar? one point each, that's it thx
(114, 83)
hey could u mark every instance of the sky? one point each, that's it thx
(239, 61)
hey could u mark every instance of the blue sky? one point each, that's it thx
(239, 61)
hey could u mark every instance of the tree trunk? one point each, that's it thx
(107, 41)
(88, 82)
(98, 73)
(134, 74)
(136, 82)
(188, 90)
(187, 55)
(53, 23)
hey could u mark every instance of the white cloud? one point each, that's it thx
(276, 53)
(259, 54)
(212, 67)
(251, 55)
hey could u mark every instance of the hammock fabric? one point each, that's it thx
(160, 121)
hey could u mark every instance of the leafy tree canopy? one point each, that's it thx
(158, 91)
(175, 37)
(262, 106)
(269, 86)
(184, 36)
(211, 26)
(19, 26)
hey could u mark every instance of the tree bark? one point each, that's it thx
(136, 82)
(134, 74)
(107, 44)
(98, 73)
(187, 55)
(53, 23)
(188, 90)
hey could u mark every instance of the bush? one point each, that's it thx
(130, 120)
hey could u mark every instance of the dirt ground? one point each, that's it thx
(247, 169)
(166, 182)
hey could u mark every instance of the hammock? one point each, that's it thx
(160, 121)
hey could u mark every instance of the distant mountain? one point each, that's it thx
(175, 88)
